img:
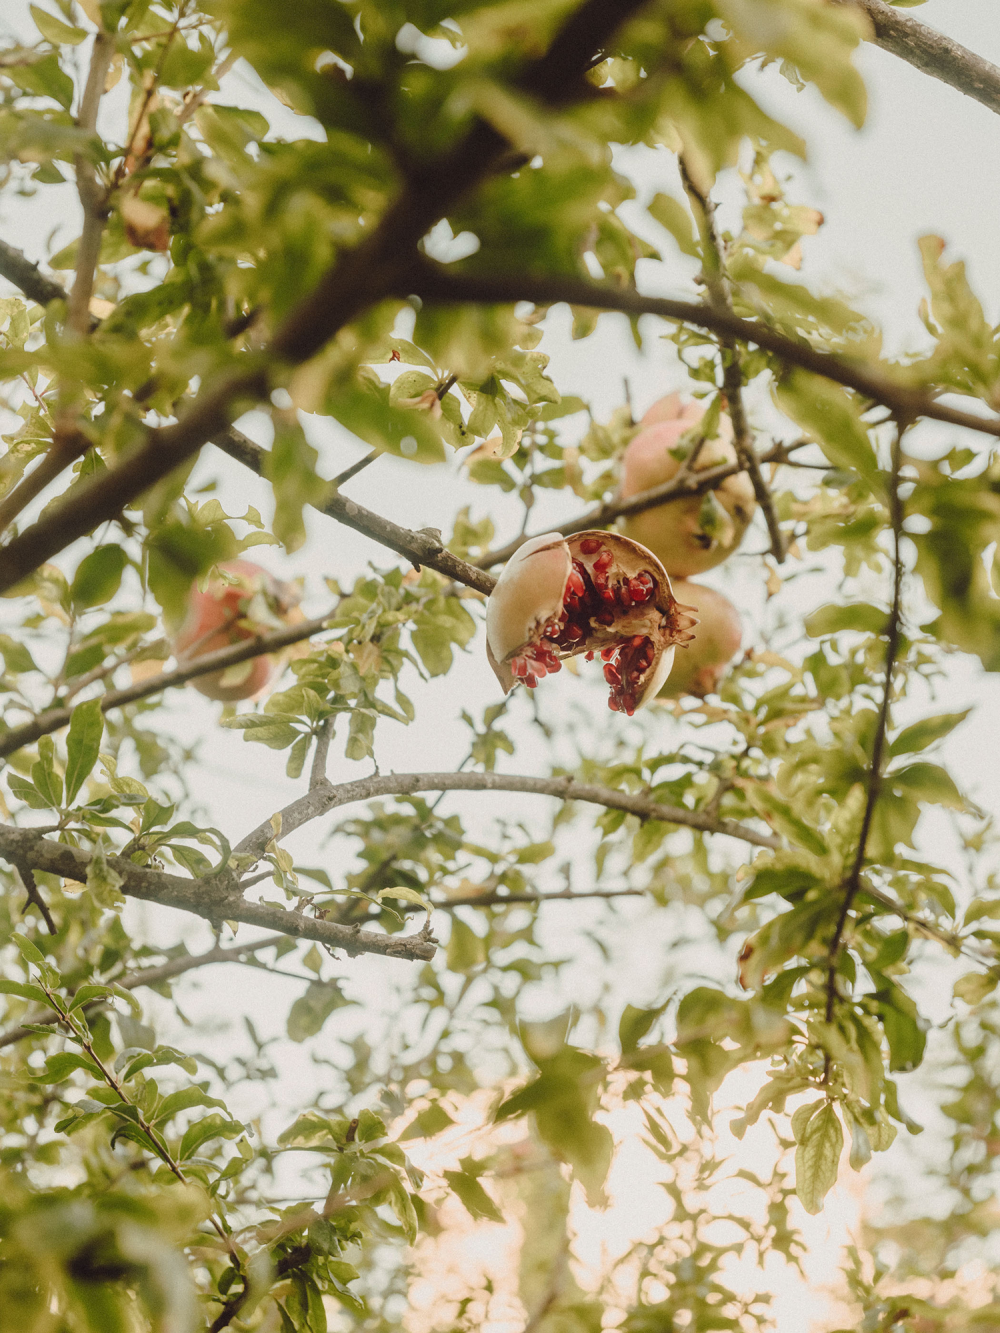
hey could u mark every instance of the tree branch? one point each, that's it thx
(932, 52)
(55, 718)
(717, 286)
(208, 897)
(326, 797)
(27, 277)
(435, 284)
(420, 548)
(151, 976)
(892, 633)
(91, 195)
(360, 278)
(685, 482)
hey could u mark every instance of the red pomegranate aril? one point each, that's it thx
(604, 617)
(613, 703)
(590, 545)
(604, 561)
(609, 654)
(612, 675)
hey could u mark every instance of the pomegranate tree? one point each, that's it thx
(241, 601)
(695, 532)
(593, 593)
(699, 669)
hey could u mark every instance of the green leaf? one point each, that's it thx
(928, 782)
(974, 987)
(817, 1158)
(477, 1202)
(290, 467)
(54, 30)
(832, 415)
(310, 1011)
(214, 1126)
(671, 214)
(430, 1121)
(83, 745)
(634, 1025)
(466, 949)
(861, 617)
(925, 732)
(780, 815)
(98, 577)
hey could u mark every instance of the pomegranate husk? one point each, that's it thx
(593, 592)
(699, 670)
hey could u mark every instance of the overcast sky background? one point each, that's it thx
(927, 160)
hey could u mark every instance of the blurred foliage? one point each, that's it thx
(132, 1197)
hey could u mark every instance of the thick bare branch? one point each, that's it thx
(153, 976)
(27, 277)
(209, 898)
(55, 718)
(434, 284)
(326, 797)
(360, 278)
(932, 52)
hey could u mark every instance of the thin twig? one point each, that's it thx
(34, 895)
(355, 468)
(717, 286)
(92, 197)
(685, 482)
(853, 884)
(56, 718)
(151, 976)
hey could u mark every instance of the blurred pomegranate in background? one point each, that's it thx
(699, 668)
(695, 532)
(241, 601)
(592, 592)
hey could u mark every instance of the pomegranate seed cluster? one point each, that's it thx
(592, 593)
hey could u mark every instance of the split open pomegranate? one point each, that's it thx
(593, 593)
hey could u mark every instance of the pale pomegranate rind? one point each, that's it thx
(593, 592)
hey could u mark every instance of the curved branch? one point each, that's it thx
(932, 52)
(326, 797)
(434, 284)
(209, 898)
(55, 718)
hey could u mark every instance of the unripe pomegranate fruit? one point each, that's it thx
(699, 668)
(676, 531)
(241, 602)
(593, 592)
